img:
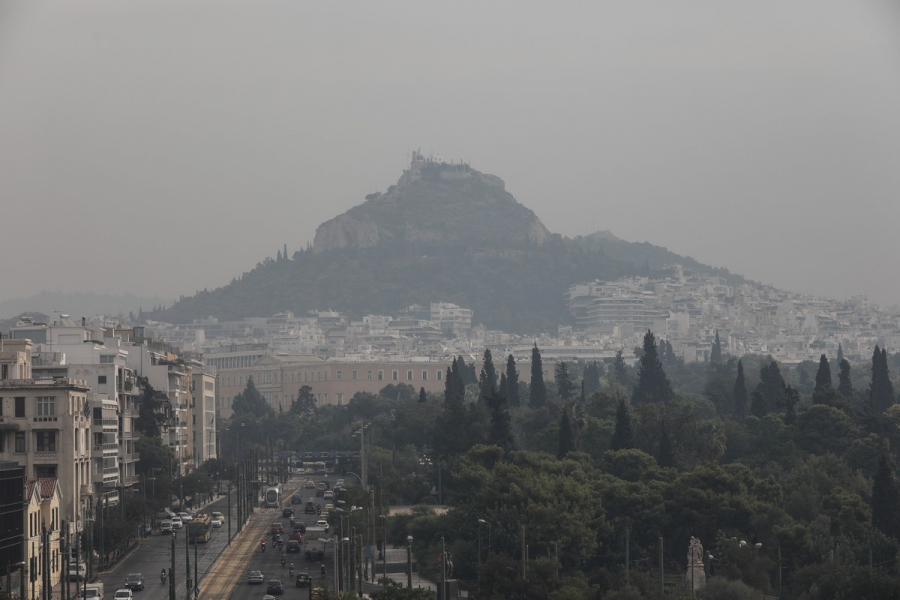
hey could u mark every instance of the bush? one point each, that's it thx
(719, 588)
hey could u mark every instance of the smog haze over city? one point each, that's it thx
(761, 137)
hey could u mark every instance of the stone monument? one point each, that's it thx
(695, 577)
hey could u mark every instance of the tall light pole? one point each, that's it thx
(480, 523)
(364, 480)
(409, 541)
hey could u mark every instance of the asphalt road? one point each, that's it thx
(155, 554)
(269, 562)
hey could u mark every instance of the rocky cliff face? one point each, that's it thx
(435, 203)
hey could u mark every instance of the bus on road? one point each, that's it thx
(199, 529)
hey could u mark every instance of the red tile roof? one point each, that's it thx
(46, 486)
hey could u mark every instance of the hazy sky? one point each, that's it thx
(162, 147)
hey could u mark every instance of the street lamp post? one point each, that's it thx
(383, 546)
(409, 541)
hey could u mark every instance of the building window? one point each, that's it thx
(107, 359)
(340, 375)
(46, 406)
(409, 375)
(326, 375)
(424, 375)
(209, 386)
(101, 379)
(5, 373)
(353, 375)
(20, 441)
(380, 375)
(369, 375)
(439, 374)
(20, 407)
(395, 375)
(46, 441)
(340, 399)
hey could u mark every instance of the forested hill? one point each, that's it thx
(443, 233)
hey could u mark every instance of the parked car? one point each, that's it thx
(124, 594)
(256, 577)
(77, 572)
(177, 523)
(275, 587)
(134, 581)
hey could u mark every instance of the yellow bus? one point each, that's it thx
(200, 529)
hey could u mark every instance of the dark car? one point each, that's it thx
(287, 512)
(296, 499)
(299, 528)
(320, 493)
(303, 580)
(275, 587)
(293, 546)
(310, 508)
(134, 581)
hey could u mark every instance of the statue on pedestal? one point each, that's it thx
(695, 577)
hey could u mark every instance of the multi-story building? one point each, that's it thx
(451, 319)
(43, 502)
(12, 523)
(203, 412)
(46, 428)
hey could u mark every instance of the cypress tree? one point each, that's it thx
(758, 406)
(512, 382)
(537, 389)
(885, 498)
(653, 385)
(792, 399)
(771, 386)
(840, 354)
(845, 386)
(504, 386)
(715, 354)
(623, 436)
(823, 375)
(423, 398)
(583, 398)
(591, 378)
(881, 390)
(448, 383)
(566, 435)
(740, 393)
(665, 456)
(501, 432)
(670, 354)
(564, 385)
(620, 369)
(487, 381)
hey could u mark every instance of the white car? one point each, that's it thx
(329, 495)
(322, 523)
(256, 577)
(185, 517)
(216, 522)
(177, 523)
(124, 594)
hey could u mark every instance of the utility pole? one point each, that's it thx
(662, 579)
(443, 592)
(172, 571)
(187, 562)
(359, 563)
(228, 518)
(524, 556)
(627, 553)
(196, 576)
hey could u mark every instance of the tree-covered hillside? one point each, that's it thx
(517, 288)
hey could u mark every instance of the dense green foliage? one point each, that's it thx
(807, 476)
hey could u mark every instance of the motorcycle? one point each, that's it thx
(162, 578)
(283, 560)
(263, 547)
(291, 571)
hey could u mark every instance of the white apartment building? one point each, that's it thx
(69, 351)
(451, 319)
(203, 417)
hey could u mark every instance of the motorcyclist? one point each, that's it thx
(283, 559)
(263, 545)
(323, 571)
(291, 570)
(162, 576)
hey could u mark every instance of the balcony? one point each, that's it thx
(45, 454)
